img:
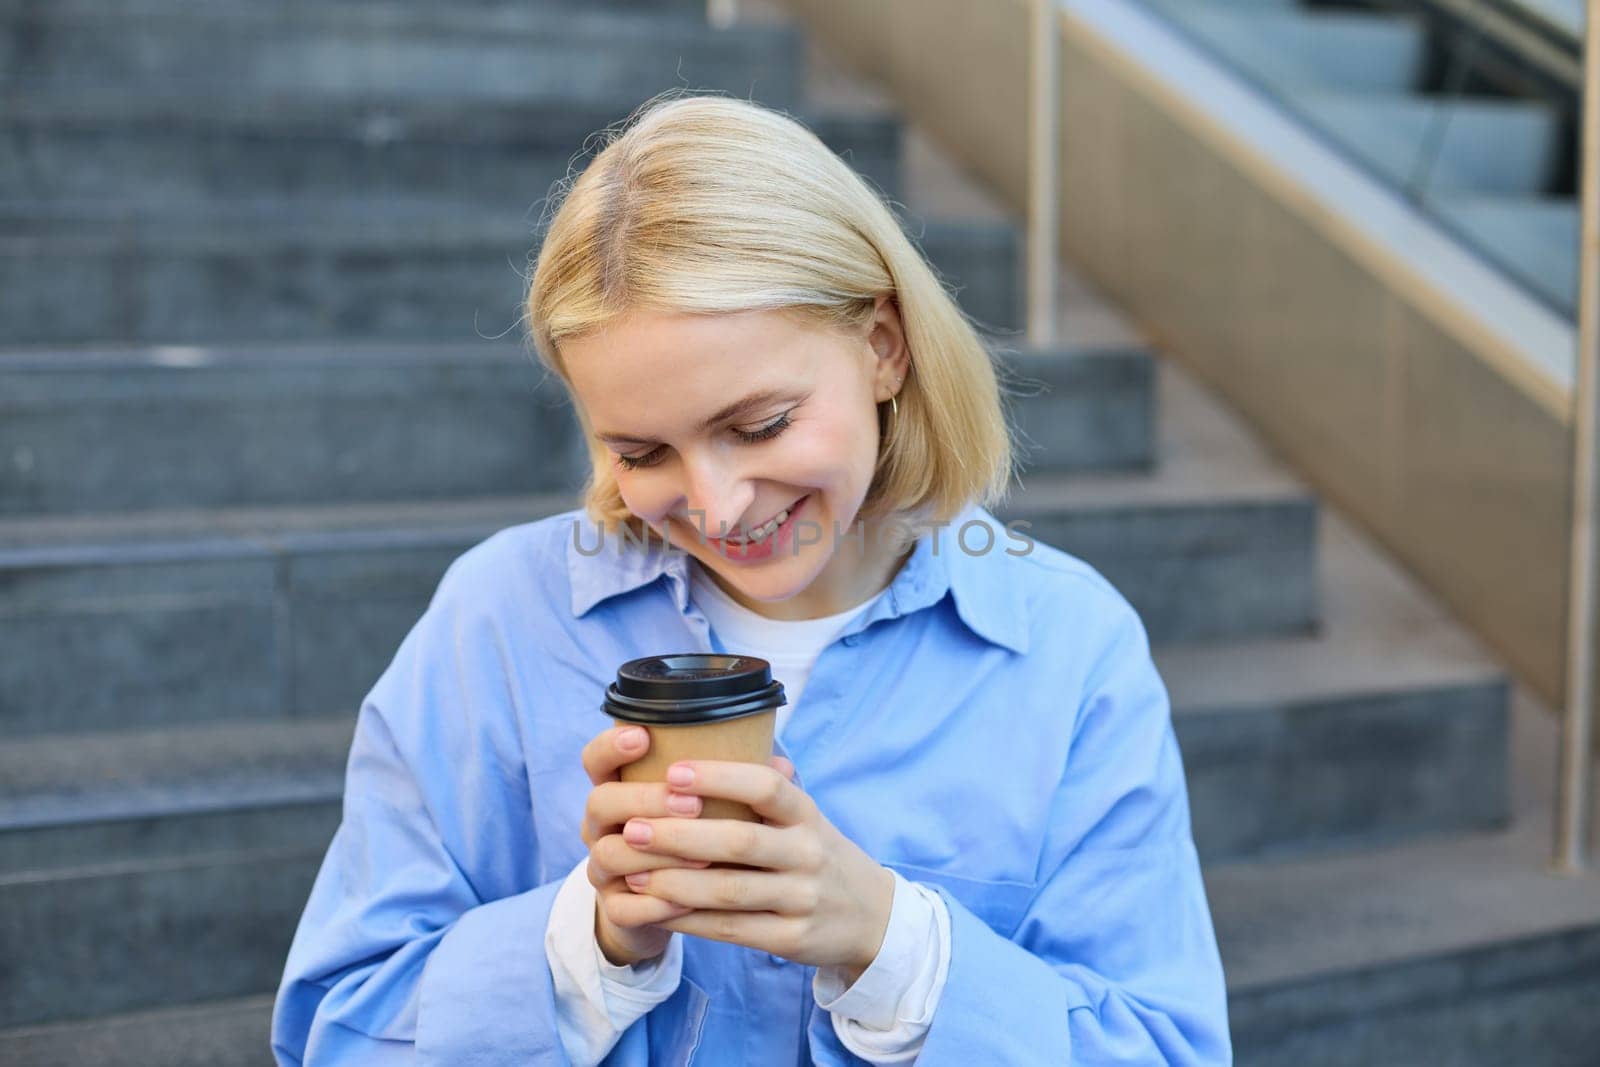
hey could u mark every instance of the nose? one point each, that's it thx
(717, 491)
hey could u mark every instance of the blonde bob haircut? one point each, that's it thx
(713, 205)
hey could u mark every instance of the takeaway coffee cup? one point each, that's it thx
(698, 706)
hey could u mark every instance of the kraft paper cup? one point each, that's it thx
(698, 706)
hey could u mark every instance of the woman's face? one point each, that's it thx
(657, 388)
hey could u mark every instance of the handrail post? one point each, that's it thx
(1043, 178)
(1577, 734)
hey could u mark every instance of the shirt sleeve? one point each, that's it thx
(597, 1000)
(423, 938)
(882, 1017)
(1114, 959)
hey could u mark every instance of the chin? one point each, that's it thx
(765, 584)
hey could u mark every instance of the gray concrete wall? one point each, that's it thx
(1382, 390)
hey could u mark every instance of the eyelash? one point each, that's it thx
(767, 432)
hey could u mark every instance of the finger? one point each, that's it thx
(721, 889)
(771, 795)
(611, 749)
(604, 876)
(611, 804)
(635, 909)
(761, 930)
(784, 766)
(717, 841)
(612, 858)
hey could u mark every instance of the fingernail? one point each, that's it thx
(639, 879)
(683, 805)
(631, 738)
(637, 833)
(680, 775)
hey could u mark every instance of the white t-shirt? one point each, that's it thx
(790, 645)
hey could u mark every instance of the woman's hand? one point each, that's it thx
(626, 924)
(816, 898)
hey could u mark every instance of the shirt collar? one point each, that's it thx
(988, 600)
(989, 593)
(601, 566)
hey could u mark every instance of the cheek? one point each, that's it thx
(836, 455)
(825, 458)
(645, 497)
(854, 447)
(840, 439)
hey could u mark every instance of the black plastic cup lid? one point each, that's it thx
(692, 687)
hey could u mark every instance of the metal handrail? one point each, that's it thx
(1043, 177)
(1519, 29)
(1577, 735)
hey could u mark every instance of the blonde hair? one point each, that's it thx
(714, 205)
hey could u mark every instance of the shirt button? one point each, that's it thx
(775, 959)
(850, 640)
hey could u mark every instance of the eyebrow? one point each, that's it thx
(758, 399)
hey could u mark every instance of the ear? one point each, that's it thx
(887, 338)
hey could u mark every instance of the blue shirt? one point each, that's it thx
(993, 728)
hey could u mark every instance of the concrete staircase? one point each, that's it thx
(1378, 79)
(252, 404)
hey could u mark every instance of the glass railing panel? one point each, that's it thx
(1458, 105)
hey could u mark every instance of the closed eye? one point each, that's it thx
(749, 437)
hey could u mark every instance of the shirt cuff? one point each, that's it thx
(597, 1000)
(885, 1014)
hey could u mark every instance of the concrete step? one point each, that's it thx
(1461, 950)
(1475, 1001)
(1441, 146)
(170, 618)
(339, 423)
(192, 928)
(1534, 239)
(97, 275)
(1286, 47)
(1197, 565)
(173, 617)
(1389, 722)
(405, 50)
(227, 1033)
(308, 423)
(1529, 1001)
(130, 796)
(171, 153)
(1081, 410)
(1220, 541)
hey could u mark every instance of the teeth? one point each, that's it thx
(764, 532)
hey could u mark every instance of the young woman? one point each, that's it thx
(974, 843)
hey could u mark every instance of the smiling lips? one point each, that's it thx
(765, 530)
